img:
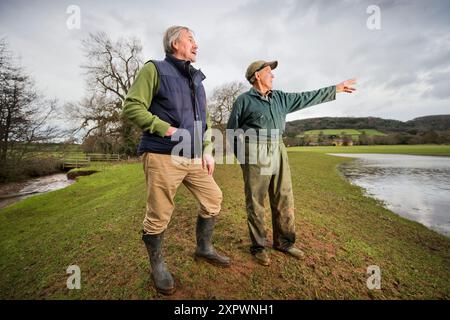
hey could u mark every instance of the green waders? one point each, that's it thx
(259, 180)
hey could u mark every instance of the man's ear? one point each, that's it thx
(257, 76)
(175, 45)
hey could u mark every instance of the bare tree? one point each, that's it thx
(3, 54)
(112, 67)
(221, 103)
(24, 113)
(110, 70)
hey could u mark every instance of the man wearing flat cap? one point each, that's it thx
(263, 110)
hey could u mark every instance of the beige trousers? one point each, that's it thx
(164, 174)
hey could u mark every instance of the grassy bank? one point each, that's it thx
(29, 168)
(420, 149)
(95, 224)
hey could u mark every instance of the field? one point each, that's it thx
(95, 224)
(422, 149)
(351, 132)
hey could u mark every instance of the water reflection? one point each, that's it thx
(416, 187)
(34, 186)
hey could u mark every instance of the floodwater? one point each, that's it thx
(415, 187)
(14, 192)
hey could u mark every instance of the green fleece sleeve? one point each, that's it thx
(295, 101)
(208, 146)
(138, 99)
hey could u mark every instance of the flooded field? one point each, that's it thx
(415, 187)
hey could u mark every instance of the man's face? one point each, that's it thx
(265, 77)
(185, 47)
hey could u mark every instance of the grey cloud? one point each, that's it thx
(317, 42)
(440, 86)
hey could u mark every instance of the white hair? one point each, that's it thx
(171, 35)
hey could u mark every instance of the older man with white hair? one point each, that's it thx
(263, 111)
(167, 96)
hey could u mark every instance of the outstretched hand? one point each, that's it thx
(346, 86)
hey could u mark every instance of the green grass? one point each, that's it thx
(372, 132)
(422, 149)
(95, 224)
(352, 132)
(54, 150)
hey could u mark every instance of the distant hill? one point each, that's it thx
(421, 124)
(351, 132)
(437, 123)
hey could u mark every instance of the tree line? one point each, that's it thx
(421, 124)
(24, 119)
(393, 138)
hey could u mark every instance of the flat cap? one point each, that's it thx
(258, 65)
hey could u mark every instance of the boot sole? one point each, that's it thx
(301, 257)
(263, 263)
(166, 292)
(213, 262)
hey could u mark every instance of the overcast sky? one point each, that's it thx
(403, 69)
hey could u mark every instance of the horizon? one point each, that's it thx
(424, 116)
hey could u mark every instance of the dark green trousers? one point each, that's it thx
(260, 181)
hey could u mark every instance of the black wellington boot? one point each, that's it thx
(205, 250)
(162, 278)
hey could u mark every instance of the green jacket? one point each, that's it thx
(139, 98)
(253, 111)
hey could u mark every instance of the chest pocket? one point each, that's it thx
(257, 120)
